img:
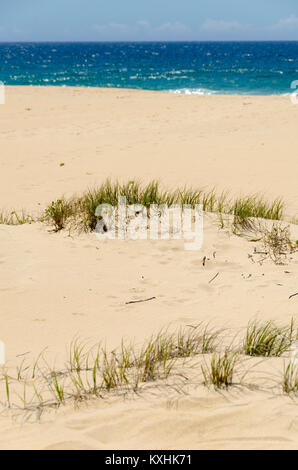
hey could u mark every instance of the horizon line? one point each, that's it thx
(145, 41)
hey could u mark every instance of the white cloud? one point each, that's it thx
(173, 27)
(290, 23)
(143, 23)
(221, 26)
(141, 26)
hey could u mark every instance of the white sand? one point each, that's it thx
(232, 142)
(53, 287)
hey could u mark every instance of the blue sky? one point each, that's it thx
(146, 20)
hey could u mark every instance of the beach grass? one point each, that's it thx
(290, 378)
(59, 212)
(80, 210)
(94, 372)
(268, 339)
(15, 218)
(220, 372)
(83, 208)
(257, 207)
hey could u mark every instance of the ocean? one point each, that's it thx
(257, 68)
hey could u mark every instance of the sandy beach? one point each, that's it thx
(236, 143)
(59, 141)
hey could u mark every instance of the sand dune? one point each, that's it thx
(55, 286)
(203, 420)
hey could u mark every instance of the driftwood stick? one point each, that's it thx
(293, 295)
(213, 278)
(137, 301)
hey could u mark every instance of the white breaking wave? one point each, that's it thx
(194, 91)
(205, 91)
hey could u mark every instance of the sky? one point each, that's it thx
(148, 20)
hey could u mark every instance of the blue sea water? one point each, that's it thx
(263, 68)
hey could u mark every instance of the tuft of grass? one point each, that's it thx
(277, 242)
(196, 340)
(245, 209)
(111, 377)
(255, 206)
(290, 378)
(58, 212)
(155, 360)
(190, 196)
(15, 218)
(220, 373)
(7, 389)
(107, 193)
(268, 339)
(209, 201)
(59, 390)
(76, 356)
